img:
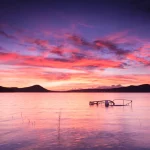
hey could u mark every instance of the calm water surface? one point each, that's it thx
(65, 121)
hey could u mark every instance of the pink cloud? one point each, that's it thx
(38, 42)
(138, 59)
(32, 48)
(4, 57)
(57, 63)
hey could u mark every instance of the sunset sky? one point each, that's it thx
(73, 44)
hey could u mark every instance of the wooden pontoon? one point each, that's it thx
(107, 103)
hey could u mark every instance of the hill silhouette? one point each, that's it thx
(34, 88)
(38, 88)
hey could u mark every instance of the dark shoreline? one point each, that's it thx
(144, 88)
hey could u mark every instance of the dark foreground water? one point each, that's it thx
(65, 121)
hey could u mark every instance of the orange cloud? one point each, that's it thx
(24, 76)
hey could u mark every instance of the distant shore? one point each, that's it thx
(37, 88)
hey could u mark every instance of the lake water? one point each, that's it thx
(65, 121)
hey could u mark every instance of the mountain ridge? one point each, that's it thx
(131, 88)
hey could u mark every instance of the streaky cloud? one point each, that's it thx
(4, 34)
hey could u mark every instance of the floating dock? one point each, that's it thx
(107, 103)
